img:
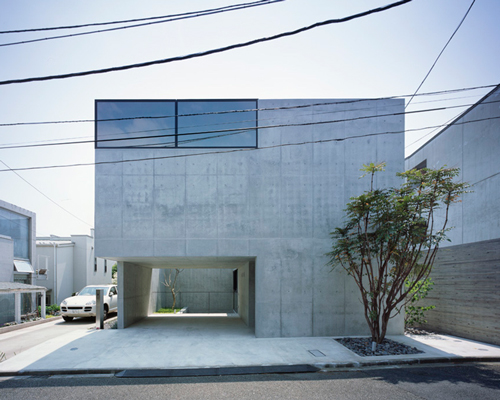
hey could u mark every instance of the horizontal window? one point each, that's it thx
(176, 123)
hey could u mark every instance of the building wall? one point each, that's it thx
(202, 290)
(276, 205)
(59, 279)
(466, 272)
(473, 147)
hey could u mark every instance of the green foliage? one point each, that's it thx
(49, 310)
(391, 235)
(414, 314)
(167, 310)
(114, 270)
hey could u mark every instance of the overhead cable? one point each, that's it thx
(248, 110)
(442, 51)
(43, 194)
(169, 19)
(240, 130)
(207, 52)
(232, 150)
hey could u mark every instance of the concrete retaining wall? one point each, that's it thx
(466, 292)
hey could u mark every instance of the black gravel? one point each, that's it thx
(363, 347)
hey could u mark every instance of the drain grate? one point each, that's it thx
(317, 353)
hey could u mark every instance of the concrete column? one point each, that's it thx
(17, 305)
(43, 303)
(134, 288)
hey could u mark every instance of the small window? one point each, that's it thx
(23, 266)
(422, 165)
(95, 264)
(105, 266)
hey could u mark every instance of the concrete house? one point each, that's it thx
(248, 188)
(17, 258)
(65, 265)
(467, 270)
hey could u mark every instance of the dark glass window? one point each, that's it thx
(176, 123)
(217, 123)
(135, 123)
(16, 226)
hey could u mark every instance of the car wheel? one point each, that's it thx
(68, 319)
(105, 314)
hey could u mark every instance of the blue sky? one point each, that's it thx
(384, 54)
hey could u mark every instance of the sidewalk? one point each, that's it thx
(168, 343)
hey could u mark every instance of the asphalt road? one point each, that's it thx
(15, 342)
(466, 381)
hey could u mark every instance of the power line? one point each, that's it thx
(90, 138)
(8, 124)
(207, 52)
(442, 51)
(238, 130)
(43, 194)
(126, 20)
(237, 150)
(177, 18)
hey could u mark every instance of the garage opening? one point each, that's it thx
(205, 287)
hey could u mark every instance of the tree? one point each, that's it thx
(392, 236)
(415, 313)
(169, 283)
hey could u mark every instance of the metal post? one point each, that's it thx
(17, 309)
(99, 309)
(43, 303)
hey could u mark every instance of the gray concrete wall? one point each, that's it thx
(465, 292)
(134, 288)
(246, 293)
(202, 290)
(471, 143)
(276, 205)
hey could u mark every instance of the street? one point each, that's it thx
(466, 381)
(15, 342)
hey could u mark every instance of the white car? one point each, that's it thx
(83, 304)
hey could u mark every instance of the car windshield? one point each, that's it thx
(91, 291)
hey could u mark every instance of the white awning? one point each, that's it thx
(23, 266)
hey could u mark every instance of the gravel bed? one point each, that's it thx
(363, 347)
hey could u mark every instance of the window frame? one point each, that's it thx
(176, 129)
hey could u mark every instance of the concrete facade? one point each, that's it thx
(70, 265)
(471, 143)
(202, 290)
(267, 212)
(467, 269)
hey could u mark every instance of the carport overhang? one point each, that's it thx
(18, 288)
(134, 283)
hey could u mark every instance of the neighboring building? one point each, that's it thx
(211, 191)
(68, 264)
(467, 270)
(17, 256)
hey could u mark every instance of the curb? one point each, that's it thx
(410, 361)
(321, 367)
(11, 328)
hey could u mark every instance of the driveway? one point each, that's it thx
(15, 342)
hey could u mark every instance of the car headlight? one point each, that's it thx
(90, 303)
(64, 302)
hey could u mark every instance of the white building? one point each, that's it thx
(65, 265)
(17, 259)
